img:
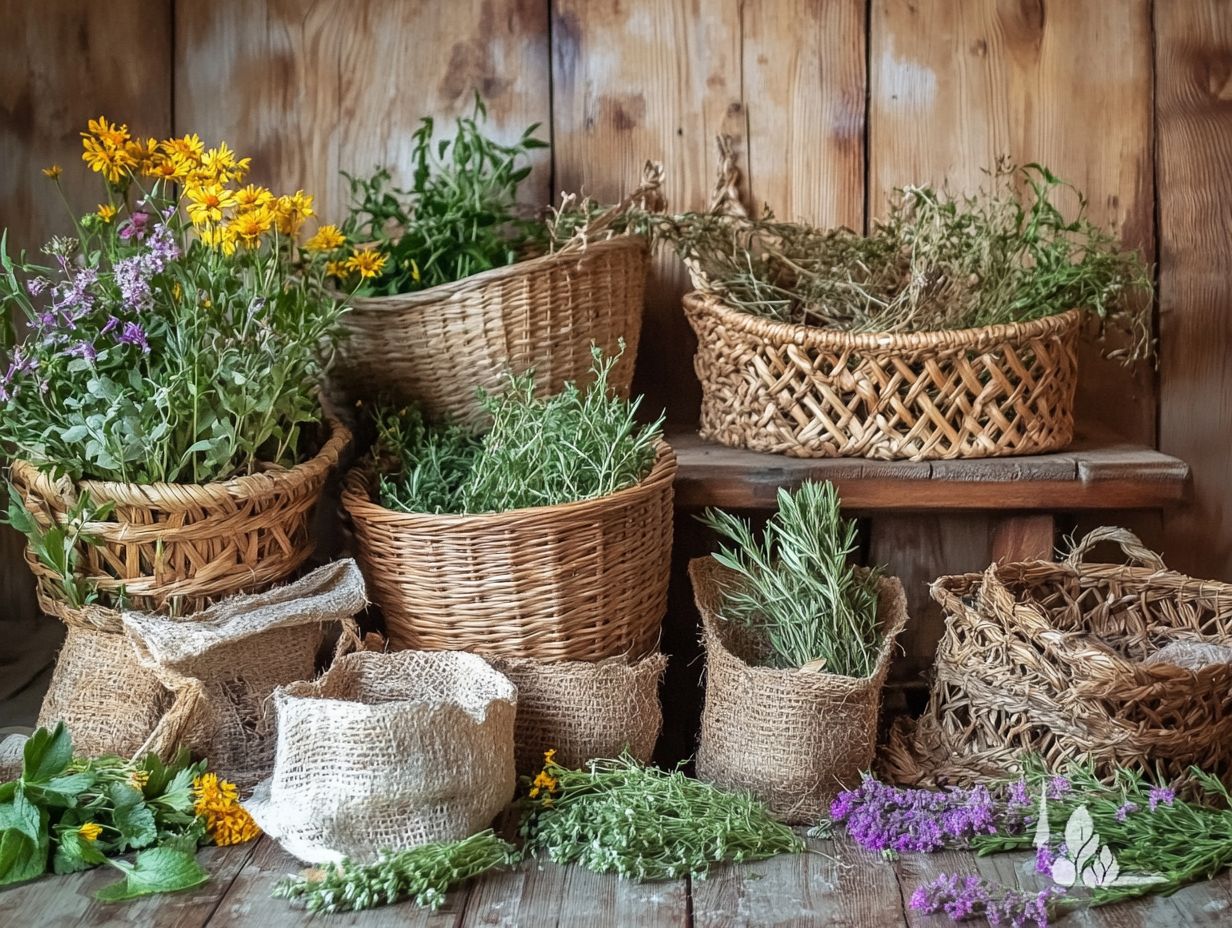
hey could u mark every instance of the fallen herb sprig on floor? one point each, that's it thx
(644, 823)
(423, 874)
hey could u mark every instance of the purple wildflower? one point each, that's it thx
(134, 226)
(84, 349)
(134, 334)
(964, 898)
(111, 323)
(1161, 795)
(161, 249)
(134, 283)
(1059, 788)
(1126, 809)
(37, 286)
(1019, 795)
(1044, 859)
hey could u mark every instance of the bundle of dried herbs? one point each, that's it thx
(1008, 253)
(796, 584)
(579, 444)
(644, 823)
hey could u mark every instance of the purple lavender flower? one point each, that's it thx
(111, 324)
(1059, 788)
(134, 334)
(37, 286)
(161, 249)
(134, 283)
(1044, 859)
(964, 898)
(1126, 809)
(84, 349)
(1161, 795)
(1019, 795)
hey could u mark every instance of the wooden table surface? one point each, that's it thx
(835, 884)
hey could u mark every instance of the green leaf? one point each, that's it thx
(158, 870)
(23, 840)
(46, 754)
(74, 853)
(62, 790)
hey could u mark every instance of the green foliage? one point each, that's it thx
(1007, 254)
(158, 870)
(581, 443)
(795, 584)
(423, 874)
(646, 824)
(58, 546)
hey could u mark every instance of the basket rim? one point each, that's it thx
(400, 301)
(698, 301)
(178, 496)
(358, 502)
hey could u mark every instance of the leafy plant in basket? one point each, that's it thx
(936, 261)
(796, 584)
(178, 335)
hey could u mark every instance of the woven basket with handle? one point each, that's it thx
(1101, 663)
(578, 581)
(178, 547)
(437, 347)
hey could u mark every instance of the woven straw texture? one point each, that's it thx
(223, 665)
(1063, 660)
(436, 347)
(579, 581)
(792, 738)
(180, 546)
(583, 710)
(810, 392)
(388, 751)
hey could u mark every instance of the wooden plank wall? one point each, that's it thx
(831, 103)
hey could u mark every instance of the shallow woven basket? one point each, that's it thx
(435, 348)
(793, 738)
(805, 391)
(178, 546)
(578, 581)
(1067, 661)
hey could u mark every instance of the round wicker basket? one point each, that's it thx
(437, 346)
(811, 392)
(578, 581)
(180, 546)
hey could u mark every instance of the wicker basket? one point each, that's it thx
(1111, 664)
(178, 547)
(437, 347)
(805, 391)
(579, 581)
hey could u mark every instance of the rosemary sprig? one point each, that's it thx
(423, 874)
(795, 584)
(644, 823)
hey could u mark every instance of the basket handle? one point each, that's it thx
(1131, 546)
(647, 194)
(725, 200)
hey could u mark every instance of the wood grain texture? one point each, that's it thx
(62, 66)
(309, 90)
(1194, 112)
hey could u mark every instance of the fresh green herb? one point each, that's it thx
(581, 443)
(423, 874)
(644, 823)
(935, 262)
(795, 584)
(58, 546)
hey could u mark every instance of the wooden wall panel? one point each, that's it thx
(64, 63)
(309, 90)
(1194, 111)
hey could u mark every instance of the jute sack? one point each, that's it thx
(793, 738)
(584, 710)
(387, 751)
(221, 665)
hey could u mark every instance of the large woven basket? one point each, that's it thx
(579, 581)
(177, 547)
(1101, 663)
(437, 347)
(810, 392)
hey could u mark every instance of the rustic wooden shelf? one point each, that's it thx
(1096, 472)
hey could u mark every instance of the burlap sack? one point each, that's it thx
(584, 710)
(793, 738)
(222, 665)
(387, 751)
(12, 751)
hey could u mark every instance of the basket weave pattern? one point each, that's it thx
(435, 347)
(181, 546)
(579, 581)
(810, 392)
(1064, 660)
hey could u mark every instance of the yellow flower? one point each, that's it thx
(367, 263)
(142, 153)
(248, 227)
(221, 166)
(252, 197)
(226, 821)
(90, 831)
(337, 269)
(326, 238)
(218, 236)
(106, 212)
(53, 171)
(206, 203)
(188, 147)
(113, 163)
(544, 782)
(291, 211)
(167, 167)
(109, 134)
